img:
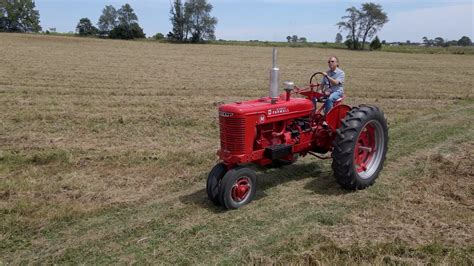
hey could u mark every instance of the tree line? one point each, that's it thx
(440, 42)
(191, 21)
(113, 23)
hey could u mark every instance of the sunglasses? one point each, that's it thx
(331, 61)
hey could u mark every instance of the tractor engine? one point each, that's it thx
(270, 128)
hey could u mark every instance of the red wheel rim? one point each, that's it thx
(365, 148)
(241, 189)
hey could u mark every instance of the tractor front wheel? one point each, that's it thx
(213, 182)
(360, 147)
(237, 188)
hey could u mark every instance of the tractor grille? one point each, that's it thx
(232, 134)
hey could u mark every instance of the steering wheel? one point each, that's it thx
(315, 76)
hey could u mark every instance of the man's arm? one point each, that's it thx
(338, 80)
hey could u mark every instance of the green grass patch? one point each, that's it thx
(37, 157)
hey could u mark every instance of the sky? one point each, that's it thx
(273, 20)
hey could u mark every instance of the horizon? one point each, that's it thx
(273, 20)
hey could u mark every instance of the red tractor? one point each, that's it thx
(280, 128)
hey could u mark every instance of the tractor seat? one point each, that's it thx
(338, 101)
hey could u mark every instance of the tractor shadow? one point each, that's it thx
(322, 183)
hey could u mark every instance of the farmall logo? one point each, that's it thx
(279, 110)
(225, 114)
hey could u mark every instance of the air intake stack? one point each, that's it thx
(274, 78)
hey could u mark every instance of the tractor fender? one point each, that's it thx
(336, 114)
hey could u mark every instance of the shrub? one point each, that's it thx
(127, 32)
(375, 44)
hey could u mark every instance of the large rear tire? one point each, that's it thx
(360, 147)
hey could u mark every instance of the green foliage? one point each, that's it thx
(19, 16)
(350, 23)
(179, 21)
(127, 32)
(362, 23)
(128, 27)
(192, 21)
(201, 24)
(373, 18)
(108, 20)
(351, 44)
(159, 36)
(465, 41)
(338, 38)
(294, 38)
(438, 41)
(375, 44)
(85, 27)
(126, 15)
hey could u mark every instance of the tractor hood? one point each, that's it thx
(264, 106)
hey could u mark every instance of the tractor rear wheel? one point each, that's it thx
(237, 188)
(360, 147)
(213, 181)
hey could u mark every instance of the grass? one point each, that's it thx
(105, 147)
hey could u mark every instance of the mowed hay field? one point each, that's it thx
(105, 147)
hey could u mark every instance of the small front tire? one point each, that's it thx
(238, 187)
(213, 182)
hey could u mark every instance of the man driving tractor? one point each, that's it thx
(334, 81)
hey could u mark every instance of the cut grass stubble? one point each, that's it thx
(105, 147)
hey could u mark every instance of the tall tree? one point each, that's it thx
(85, 27)
(375, 44)
(288, 38)
(128, 27)
(177, 21)
(201, 23)
(427, 42)
(126, 15)
(19, 16)
(108, 20)
(438, 41)
(294, 38)
(372, 20)
(338, 38)
(351, 23)
(465, 41)
(3, 16)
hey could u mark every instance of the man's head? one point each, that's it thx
(333, 63)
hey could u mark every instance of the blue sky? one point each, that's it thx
(273, 20)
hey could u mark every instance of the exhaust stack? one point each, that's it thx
(274, 78)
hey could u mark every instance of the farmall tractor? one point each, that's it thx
(281, 128)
